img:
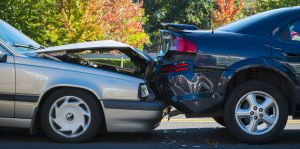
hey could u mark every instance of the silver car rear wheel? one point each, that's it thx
(70, 116)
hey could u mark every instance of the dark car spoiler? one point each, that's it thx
(179, 27)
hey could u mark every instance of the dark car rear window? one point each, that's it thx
(260, 24)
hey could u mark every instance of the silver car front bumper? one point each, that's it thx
(133, 116)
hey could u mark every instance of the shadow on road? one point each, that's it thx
(174, 138)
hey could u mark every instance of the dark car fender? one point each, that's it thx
(259, 63)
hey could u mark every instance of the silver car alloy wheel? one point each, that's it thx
(256, 113)
(70, 116)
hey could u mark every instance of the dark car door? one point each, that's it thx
(286, 46)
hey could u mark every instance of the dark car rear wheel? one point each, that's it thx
(256, 112)
(71, 115)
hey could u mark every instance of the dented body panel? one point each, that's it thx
(221, 55)
(31, 76)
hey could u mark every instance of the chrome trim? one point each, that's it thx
(9, 49)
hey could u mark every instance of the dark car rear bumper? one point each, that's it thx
(193, 93)
(195, 106)
(133, 116)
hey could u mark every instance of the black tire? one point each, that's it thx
(232, 101)
(95, 110)
(220, 121)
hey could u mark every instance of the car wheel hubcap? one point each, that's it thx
(69, 116)
(256, 113)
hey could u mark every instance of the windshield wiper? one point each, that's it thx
(29, 46)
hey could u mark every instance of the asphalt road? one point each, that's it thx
(178, 133)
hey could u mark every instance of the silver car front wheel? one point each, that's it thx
(70, 116)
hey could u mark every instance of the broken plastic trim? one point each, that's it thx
(145, 93)
(175, 68)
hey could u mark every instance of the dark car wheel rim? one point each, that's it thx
(256, 113)
(70, 116)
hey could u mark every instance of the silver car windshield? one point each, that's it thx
(16, 39)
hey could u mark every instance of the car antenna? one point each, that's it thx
(212, 22)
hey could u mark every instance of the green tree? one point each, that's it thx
(120, 20)
(258, 6)
(46, 21)
(197, 12)
(24, 15)
(56, 22)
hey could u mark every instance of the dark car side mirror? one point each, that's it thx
(3, 58)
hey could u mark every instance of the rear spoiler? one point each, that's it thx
(179, 27)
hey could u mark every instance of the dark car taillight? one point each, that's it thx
(175, 68)
(181, 44)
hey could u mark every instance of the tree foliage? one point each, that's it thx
(120, 20)
(227, 11)
(197, 12)
(264, 5)
(56, 22)
(28, 16)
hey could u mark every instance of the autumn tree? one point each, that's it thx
(227, 11)
(56, 22)
(120, 20)
(196, 12)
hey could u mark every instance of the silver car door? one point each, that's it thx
(7, 84)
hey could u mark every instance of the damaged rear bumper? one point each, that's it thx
(196, 106)
(193, 93)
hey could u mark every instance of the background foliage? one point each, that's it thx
(197, 12)
(264, 5)
(227, 11)
(56, 22)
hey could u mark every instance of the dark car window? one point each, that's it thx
(291, 32)
(244, 23)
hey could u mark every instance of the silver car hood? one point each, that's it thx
(85, 45)
(93, 45)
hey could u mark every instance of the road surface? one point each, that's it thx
(177, 133)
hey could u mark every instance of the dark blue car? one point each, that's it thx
(246, 75)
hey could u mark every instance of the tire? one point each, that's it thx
(220, 121)
(238, 114)
(71, 116)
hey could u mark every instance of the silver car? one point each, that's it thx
(75, 91)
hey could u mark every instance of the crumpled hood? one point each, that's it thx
(85, 45)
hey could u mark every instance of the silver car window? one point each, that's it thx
(2, 50)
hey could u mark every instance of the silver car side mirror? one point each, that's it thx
(3, 57)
